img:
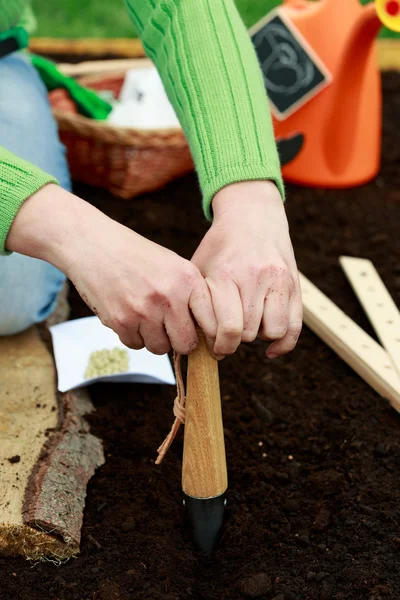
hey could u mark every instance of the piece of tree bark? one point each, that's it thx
(47, 454)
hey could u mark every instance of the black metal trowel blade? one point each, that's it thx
(206, 516)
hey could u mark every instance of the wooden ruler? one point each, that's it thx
(377, 303)
(358, 349)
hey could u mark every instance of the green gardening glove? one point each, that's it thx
(87, 101)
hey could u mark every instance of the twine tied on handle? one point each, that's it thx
(179, 410)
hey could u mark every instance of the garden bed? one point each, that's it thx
(313, 452)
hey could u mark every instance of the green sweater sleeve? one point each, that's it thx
(211, 74)
(18, 180)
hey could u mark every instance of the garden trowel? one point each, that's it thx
(204, 476)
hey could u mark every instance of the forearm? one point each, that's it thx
(51, 225)
(19, 179)
(211, 74)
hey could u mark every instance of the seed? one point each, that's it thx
(107, 362)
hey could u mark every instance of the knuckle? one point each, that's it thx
(157, 296)
(225, 272)
(288, 346)
(186, 347)
(255, 270)
(120, 321)
(230, 330)
(188, 274)
(128, 317)
(278, 272)
(200, 298)
(291, 339)
(139, 311)
(210, 329)
(276, 333)
(295, 328)
(291, 285)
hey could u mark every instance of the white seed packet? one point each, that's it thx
(143, 102)
(74, 341)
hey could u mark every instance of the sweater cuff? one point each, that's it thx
(236, 173)
(17, 184)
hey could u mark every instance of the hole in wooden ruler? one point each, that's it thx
(323, 307)
(343, 326)
(363, 273)
(365, 346)
(380, 305)
(389, 322)
(371, 289)
(388, 366)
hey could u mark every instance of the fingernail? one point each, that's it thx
(272, 356)
(214, 354)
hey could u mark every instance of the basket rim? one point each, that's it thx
(126, 136)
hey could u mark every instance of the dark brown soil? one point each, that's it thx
(323, 524)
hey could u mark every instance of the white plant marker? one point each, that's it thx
(358, 349)
(378, 304)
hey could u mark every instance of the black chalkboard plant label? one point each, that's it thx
(293, 72)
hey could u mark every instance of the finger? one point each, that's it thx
(127, 330)
(253, 301)
(155, 337)
(132, 339)
(289, 341)
(229, 314)
(181, 330)
(276, 314)
(201, 305)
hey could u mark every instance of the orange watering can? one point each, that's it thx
(341, 125)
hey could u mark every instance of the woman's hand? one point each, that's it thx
(247, 260)
(144, 292)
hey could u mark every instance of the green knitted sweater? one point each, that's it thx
(14, 12)
(212, 77)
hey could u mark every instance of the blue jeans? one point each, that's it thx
(28, 287)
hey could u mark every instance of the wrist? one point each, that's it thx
(245, 195)
(51, 225)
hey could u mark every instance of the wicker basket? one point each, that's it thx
(125, 161)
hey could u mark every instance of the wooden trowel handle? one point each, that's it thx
(204, 464)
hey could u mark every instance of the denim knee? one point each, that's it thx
(28, 292)
(27, 126)
(13, 324)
